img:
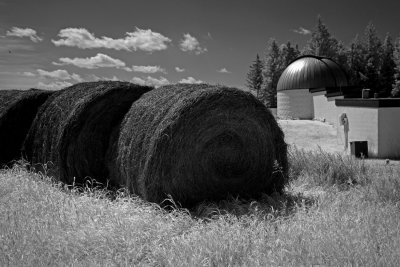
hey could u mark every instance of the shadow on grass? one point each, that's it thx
(268, 206)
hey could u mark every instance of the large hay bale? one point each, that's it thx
(199, 142)
(18, 108)
(73, 128)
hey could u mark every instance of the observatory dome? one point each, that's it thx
(308, 72)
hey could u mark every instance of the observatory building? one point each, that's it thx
(313, 87)
(306, 78)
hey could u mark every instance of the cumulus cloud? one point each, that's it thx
(148, 69)
(54, 85)
(190, 80)
(28, 74)
(179, 69)
(138, 80)
(150, 81)
(302, 31)
(60, 75)
(24, 32)
(98, 61)
(145, 40)
(191, 44)
(93, 77)
(224, 70)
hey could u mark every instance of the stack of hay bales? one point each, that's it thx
(199, 142)
(18, 108)
(72, 129)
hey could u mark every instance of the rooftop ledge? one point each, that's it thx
(369, 102)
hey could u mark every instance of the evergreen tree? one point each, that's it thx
(322, 43)
(288, 54)
(272, 73)
(341, 58)
(396, 58)
(388, 67)
(356, 62)
(373, 53)
(254, 79)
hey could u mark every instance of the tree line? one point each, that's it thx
(368, 61)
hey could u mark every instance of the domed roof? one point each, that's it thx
(308, 72)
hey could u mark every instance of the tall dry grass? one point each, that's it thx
(317, 221)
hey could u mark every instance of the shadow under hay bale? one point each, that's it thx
(18, 109)
(73, 128)
(199, 142)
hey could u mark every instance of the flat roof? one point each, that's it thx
(368, 102)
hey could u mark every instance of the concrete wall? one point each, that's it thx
(363, 126)
(295, 104)
(325, 108)
(389, 132)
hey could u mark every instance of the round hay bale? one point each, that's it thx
(18, 108)
(199, 142)
(73, 128)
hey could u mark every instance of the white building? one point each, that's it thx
(317, 88)
(304, 75)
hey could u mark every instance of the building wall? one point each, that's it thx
(295, 104)
(363, 126)
(325, 108)
(273, 111)
(389, 132)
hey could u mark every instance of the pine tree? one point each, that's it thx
(396, 58)
(387, 70)
(322, 43)
(356, 62)
(373, 53)
(341, 58)
(254, 79)
(272, 73)
(288, 54)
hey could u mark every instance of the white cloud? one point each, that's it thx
(113, 78)
(60, 75)
(148, 69)
(302, 31)
(190, 80)
(54, 85)
(28, 74)
(179, 69)
(150, 81)
(98, 61)
(27, 32)
(145, 40)
(224, 70)
(138, 80)
(93, 77)
(191, 44)
(77, 77)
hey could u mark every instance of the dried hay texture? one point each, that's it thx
(73, 128)
(18, 108)
(199, 142)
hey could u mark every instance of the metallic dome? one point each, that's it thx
(307, 72)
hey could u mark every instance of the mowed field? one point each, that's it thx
(336, 210)
(310, 135)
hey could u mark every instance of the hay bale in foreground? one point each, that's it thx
(18, 108)
(73, 128)
(199, 142)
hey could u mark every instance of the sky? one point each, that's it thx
(52, 44)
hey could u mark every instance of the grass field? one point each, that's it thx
(336, 210)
